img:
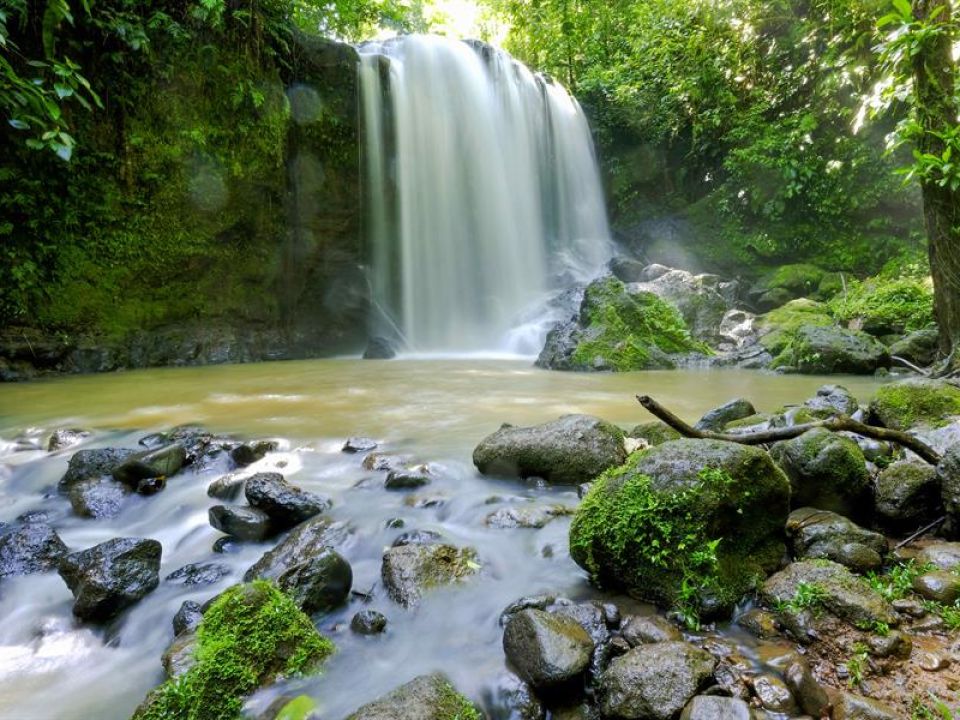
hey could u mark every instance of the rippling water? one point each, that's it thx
(431, 410)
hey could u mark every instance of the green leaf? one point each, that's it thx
(63, 91)
(903, 7)
(18, 124)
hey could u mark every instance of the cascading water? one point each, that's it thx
(481, 188)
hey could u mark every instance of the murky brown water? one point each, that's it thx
(434, 410)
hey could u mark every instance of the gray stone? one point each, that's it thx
(810, 696)
(187, 618)
(760, 623)
(368, 622)
(417, 537)
(710, 707)
(823, 534)
(285, 504)
(243, 523)
(773, 694)
(403, 479)
(161, 462)
(717, 418)
(428, 697)
(92, 464)
(919, 347)
(907, 496)
(304, 542)
(941, 586)
(856, 707)
(98, 497)
(820, 350)
(180, 655)
(199, 574)
(320, 583)
(567, 451)
(525, 517)
(546, 650)
(640, 629)
(832, 400)
(27, 548)
(943, 555)
(410, 570)
(251, 452)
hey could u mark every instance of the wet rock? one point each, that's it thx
(707, 707)
(428, 697)
(894, 644)
(359, 444)
(810, 696)
(915, 401)
(910, 607)
(567, 451)
(919, 347)
(406, 479)
(588, 615)
(249, 453)
(111, 576)
(773, 694)
(32, 547)
(537, 602)
(523, 517)
(513, 698)
(654, 681)
(243, 523)
(760, 623)
(546, 650)
(717, 418)
(943, 555)
(150, 486)
(934, 661)
(822, 534)
(285, 504)
(840, 592)
(382, 461)
(320, 583)
(199, 574)
(92, 464)
(368, 622)
(227, 545)
(744, 496)
(227, 487)
(64, 438)
(817, 350)
(97, 497)
(832, 400)
(300, 545)
(410, 570)
(379, 348)
(162, 462)
(180, 655)
(907, 496)
(949, 473)
(826, 471)
(940, 586)
(417, 537)
(697, 297)
(848, 706)
(640, 629)
(188, 617)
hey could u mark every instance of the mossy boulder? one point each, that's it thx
(408, 571)
(907, 496)
(777, 327)
(886, 305)
(654, 432)
(428, 697)
(250, 635)
(815, 349)
(827, 471)
(919, 347)
(817, 533)
(618, 330)
(786, 283)
(568, 451)
(689, 524)
(915, 401)
(696, 297)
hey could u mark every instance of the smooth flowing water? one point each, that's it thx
(435, 411)
(481, 190)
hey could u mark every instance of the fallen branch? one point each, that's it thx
(922, 531)
(909, 365)
(762, 437)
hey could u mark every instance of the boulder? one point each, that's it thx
(838, 590)
(64, 438)
(251, 452)
(568, 451)
(941, 586)
(773, 694)
(726, 499)
(27, 548)
(368, 622)
(159, 463)
(187, 618)
(285, 504)
(111, 576)
(101, 497)
(199, 574)
(407, 479)
(919, 347)
(942, 555)
(712, 707)
(379, 348)
(243, 523)
(320, 583)
(428, 697)
(777, 327)
(640, 629)
(810, 696)
(717, 418)
(915, 401)
(304, 542)
(815, 350)
(907, 496)
(848, 706)
(826, 471)
(832, 400)
(654, 682)
(817, 533)
(695, 296)
(410, 570)
(92, 464)
(546, 650)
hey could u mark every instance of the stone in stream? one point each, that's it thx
(717, 418)
(27, 548)
(823, 534)
(760, 623)
(525, 517)
(180, 655)
(907, 496)
(161, 462)
(847, 706)
(64, 438)
(831, 400)
(810, 696)
(773, 694)
(826, 471)
(92, 464)
(654, 682)
(199, 574)
(285, 504)
(428, 697)
(187, 618)
(303, 542)
(251, 452)
(368, 622)
(816, 350)
(417, 537)
(320, 583)
(111, 576)
(228, 486)
(545, 649)
(568, 451)
(513, 698)
(101, 497)
(641, 629)
(711, 707)
(243, 523)
(410, 570)
(358, 444)
(913, 402)
(404, 479)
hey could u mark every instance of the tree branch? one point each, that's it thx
(762, 437)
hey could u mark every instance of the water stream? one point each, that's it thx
(52, 667)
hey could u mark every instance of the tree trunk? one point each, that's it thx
(934, 73)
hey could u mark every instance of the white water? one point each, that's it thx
(482, 193)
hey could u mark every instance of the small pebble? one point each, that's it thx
(932, 662)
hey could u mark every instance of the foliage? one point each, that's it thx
(808, 596)
(886, 304)
(857, 665)
(248, 636)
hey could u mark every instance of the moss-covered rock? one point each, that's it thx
(249, 636)
(815, 349)
(884, 305)
(428, 697)
(696, 297)
(907, 496)
(408, 571)
(915, 401)
(786, 283)
(919, 347)
(654, 432)
(690, 524)
(618, 330)
(778, 326)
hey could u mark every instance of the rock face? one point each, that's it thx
(700, 493)
(29, 548)
(826, 471)
(815, 350)
(717, 418)
(410, 570)
(654, 682)
(568, 451)
(823, 534)
(111, 576)
(697, 297)
(428, 697)
(285, 504)
(907, 496)
(915, 401)
(840, 592)
(617, 329)
(546, 650)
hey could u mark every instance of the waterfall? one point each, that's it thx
(481, 191)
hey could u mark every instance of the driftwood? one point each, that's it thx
(762, 437)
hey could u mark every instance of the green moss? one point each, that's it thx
(800, 278)
(629, 331)
(916, 401)
(781, 325)
(454, 706)
(885, 305)
(654, 432)
(251, 635)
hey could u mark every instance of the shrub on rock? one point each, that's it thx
(915, 401)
